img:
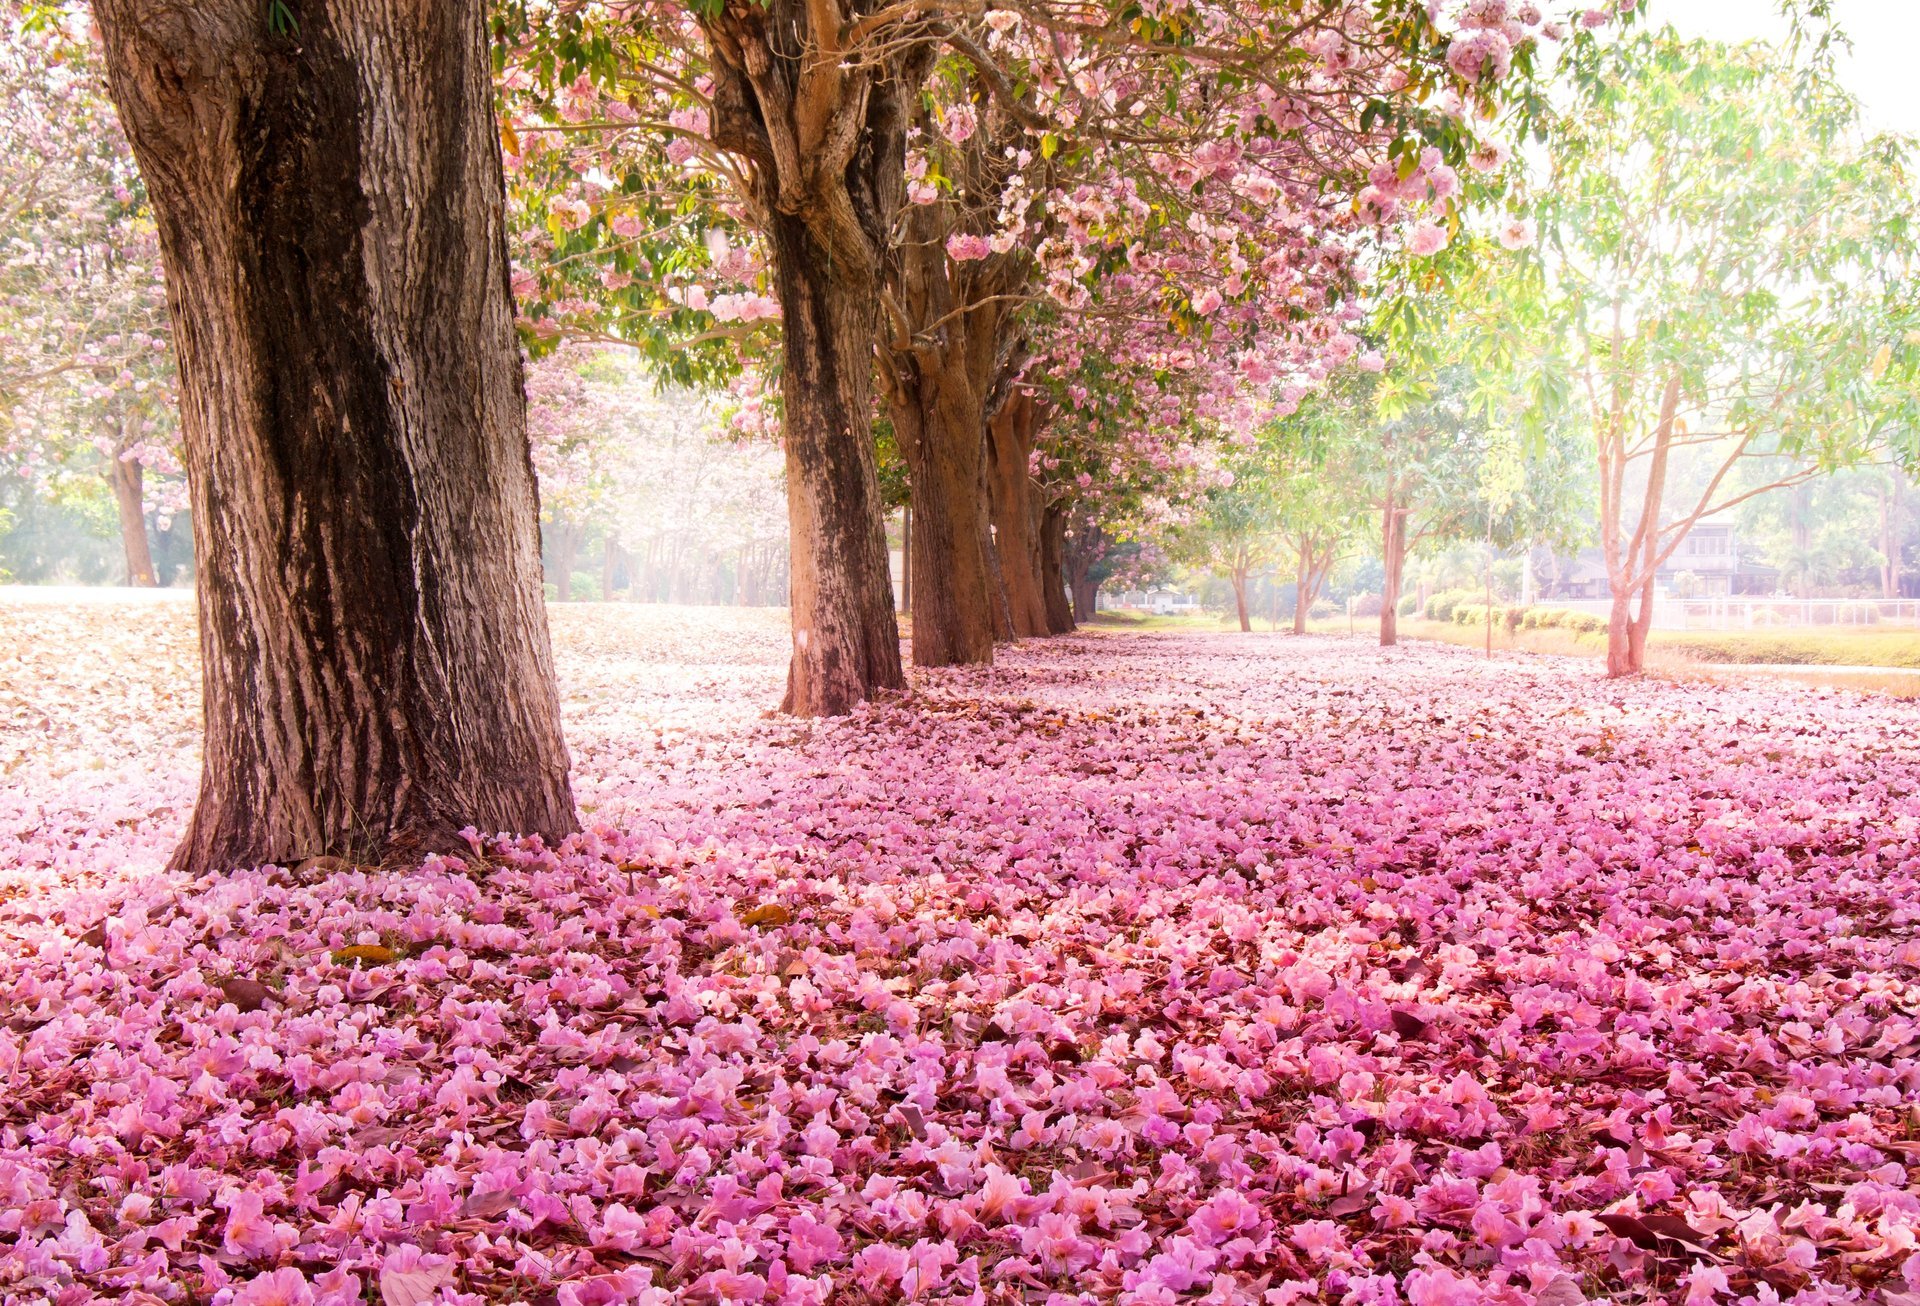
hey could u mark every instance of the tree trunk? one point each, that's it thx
(1011, 504)
(846, 642)
(906, 558)
(566, 551)
(1084, 552)
(1303, 577)
(1801, 512)
(1393, 552)
(1086, 599)
(941, 431)
(997, 601)
(1890, 523)
(330, 206)
(1239, 575)
(128, 479)
(609, 565)
(1053, 569)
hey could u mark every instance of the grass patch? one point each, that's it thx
(1895, 650)
(1798, 648)
(1166, 621)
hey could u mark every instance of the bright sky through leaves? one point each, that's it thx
(1879, 69)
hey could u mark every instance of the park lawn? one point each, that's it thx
(1895, 650)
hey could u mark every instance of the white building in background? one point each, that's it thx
(1706, 565)
(1162, 603)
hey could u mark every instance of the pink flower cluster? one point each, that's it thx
(1136, 968)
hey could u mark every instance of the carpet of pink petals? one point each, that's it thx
(1147, 968)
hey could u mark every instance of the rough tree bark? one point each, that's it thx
(1053, 569)
(939, 422)
(1011, 505)
(128, 480)
(938, 348)
(846, 641)
(330, 208)
(823, 141)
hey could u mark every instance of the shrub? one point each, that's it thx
(1409, 604)
(1320, 610)
(1366, 605)
(1586, 623)
(1441, 606)
(1515, 615)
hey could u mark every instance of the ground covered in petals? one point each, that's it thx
(1149, 968)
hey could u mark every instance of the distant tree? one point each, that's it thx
(1745, 291)
(86, 366)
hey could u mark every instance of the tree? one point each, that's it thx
(1744, 295)
(86, 370)
(1237, 530)
(1221, 123)
(327, 188)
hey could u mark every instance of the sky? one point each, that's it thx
(1880, 69)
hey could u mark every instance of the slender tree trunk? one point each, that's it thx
(1239, 575)
(128, 479)
(609, 565)
(1634, 565)
(1801, 501)
(1890, 524)
(1621, 660)
(846, 643)
(906, 558)
(377, 674)
(1053, 569)
(1393, 552)
(1302, 582)
(566, 552)
(1015, 524)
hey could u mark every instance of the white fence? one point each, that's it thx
(1763, 614)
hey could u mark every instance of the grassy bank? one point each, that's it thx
(1800, 648)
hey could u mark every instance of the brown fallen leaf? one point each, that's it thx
(483, 1206)
(1563, 1291)
(766, 915)
(246, 994)
(1408, 1025)
(1649, 1231)
(413, 1287)
(370, 953)
(314, 868)
(96, 937)
(1675, 1229)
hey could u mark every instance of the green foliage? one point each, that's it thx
(1441, 606)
